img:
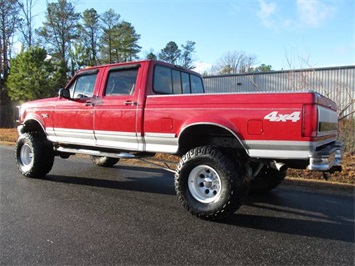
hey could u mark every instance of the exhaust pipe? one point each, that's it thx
(252, 173)
(278, 166)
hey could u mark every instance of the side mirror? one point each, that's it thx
(63, 93)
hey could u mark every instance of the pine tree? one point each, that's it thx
(32, 76)
(59, 30)
(89, 31)
(171, 53)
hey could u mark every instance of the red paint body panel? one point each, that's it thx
(248, 116)
(232, 111)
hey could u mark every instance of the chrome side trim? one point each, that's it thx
(99, 138)
(50, 132)
(160, 135)
(301, 150)
(278, 154)
(279, 144)
(279, 149)
(72, 136)
(118, 140)
(161, 142)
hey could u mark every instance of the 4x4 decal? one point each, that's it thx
(275, 116)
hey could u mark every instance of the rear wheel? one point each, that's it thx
(34, 155)
(104, 161)
(209, 184)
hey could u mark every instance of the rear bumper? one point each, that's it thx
(328, 158)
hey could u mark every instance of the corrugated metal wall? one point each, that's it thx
(337, 83)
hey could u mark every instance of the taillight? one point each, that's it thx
(309, 120)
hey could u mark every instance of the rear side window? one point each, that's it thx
(176, 76)
(185, 83)
(196, 84)
(173, 81)
(121, 82)
(162, 80)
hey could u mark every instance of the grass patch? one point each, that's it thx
(8, 136)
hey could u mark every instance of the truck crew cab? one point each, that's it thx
(228, 143)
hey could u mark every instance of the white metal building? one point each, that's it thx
(337, 83)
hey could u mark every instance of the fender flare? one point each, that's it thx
(213, 121)
(33, 118)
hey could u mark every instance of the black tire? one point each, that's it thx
(34, 155)
(267, 179)
(209, 184)
(104, 161)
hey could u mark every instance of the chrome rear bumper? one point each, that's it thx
(327, 159)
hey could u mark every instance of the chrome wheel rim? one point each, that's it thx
(26, 155)
(204, 184)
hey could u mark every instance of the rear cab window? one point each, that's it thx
(174, 81)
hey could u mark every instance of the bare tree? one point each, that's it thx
(235, 62)
(306, 78)
(340, 93)
(27, 28)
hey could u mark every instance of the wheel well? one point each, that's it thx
(32, 126)
(202, 135)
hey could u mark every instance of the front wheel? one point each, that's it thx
(34, 155)
(209, 184)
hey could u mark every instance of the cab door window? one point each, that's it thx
(121, 82)
(83, 86)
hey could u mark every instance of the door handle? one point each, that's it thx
(130, 103)
(89, 103)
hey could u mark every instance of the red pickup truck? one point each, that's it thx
(228, 143)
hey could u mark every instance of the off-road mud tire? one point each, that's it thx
(34, 155)
(229, 190)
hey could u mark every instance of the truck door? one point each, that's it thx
(73, 118)
(115, 117)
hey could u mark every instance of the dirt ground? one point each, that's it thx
(347, 176)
